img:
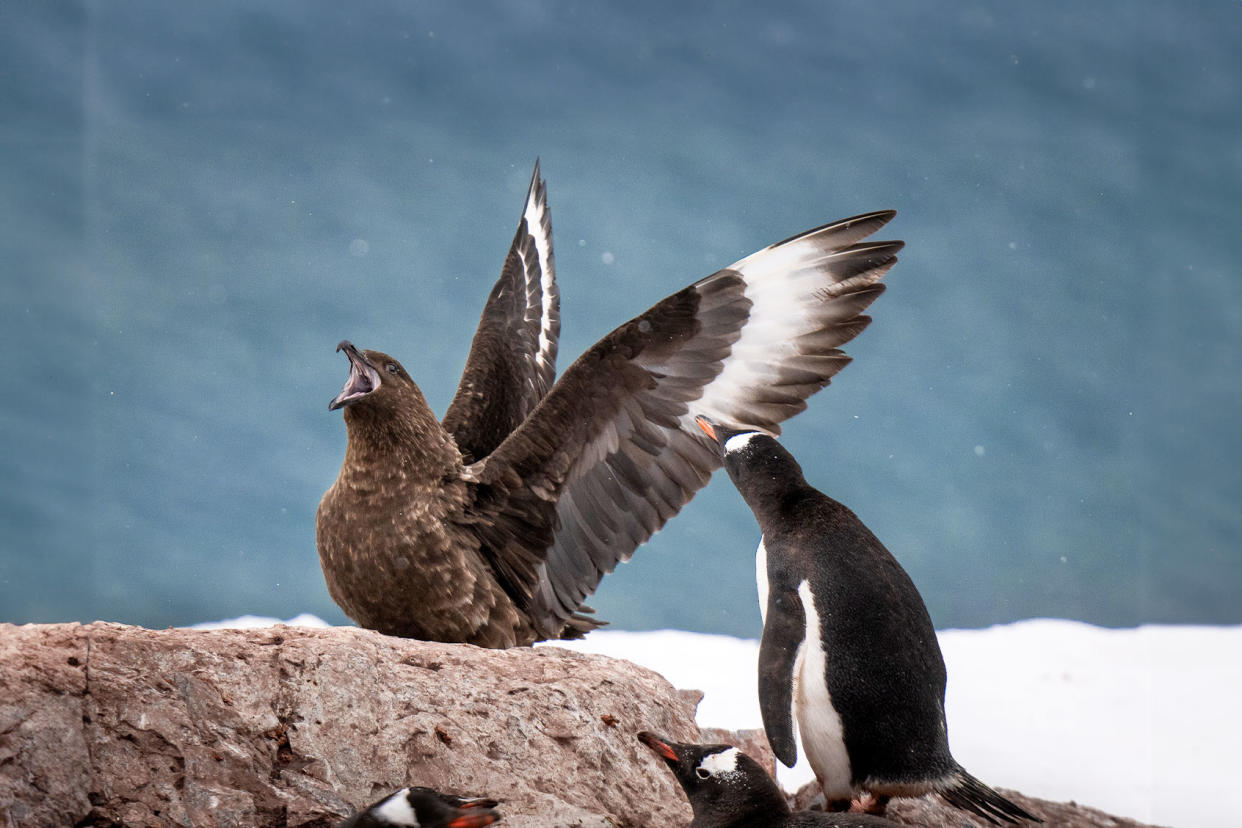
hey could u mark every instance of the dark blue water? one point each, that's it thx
(197, 203)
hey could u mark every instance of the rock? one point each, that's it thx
(108, 725)
(931, 810)
(44, 758)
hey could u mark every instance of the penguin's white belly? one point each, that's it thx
(761, 578)
(819, 724)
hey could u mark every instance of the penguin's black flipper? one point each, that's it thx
(784, 629)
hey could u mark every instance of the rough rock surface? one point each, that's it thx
(109, 725)
(105, 724)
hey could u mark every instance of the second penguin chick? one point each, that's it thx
(848, 648)
(425, 808)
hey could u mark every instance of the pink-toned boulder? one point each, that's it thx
(105, 724)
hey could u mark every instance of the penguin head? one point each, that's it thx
(732, 441)
(748, 451)
(722, 783)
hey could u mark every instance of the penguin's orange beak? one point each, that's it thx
(478, 803)
(706, 427)
(477, 820)
(655, 742)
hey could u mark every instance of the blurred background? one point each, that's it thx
(197, 204)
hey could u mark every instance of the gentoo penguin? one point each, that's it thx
(728, 789)
(425, 808)
(848, 648)
(492, 526)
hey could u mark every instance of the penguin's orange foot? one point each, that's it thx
(871, 803)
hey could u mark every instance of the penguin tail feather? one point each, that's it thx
(970, 794)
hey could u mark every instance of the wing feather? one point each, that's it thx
(612, 450)
(512, 361)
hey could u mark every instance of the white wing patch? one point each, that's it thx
(720, 764)
(819, 725)
(782, 283)
(791, 288)
(540, 229)
(396, 810)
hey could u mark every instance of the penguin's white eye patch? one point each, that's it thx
(717, 764)
(738, 442)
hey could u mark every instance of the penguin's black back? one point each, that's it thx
(886, 675)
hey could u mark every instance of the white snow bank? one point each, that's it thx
(250, 622)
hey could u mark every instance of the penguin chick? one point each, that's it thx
(728, 789)
(848, 648)
(425, 808)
